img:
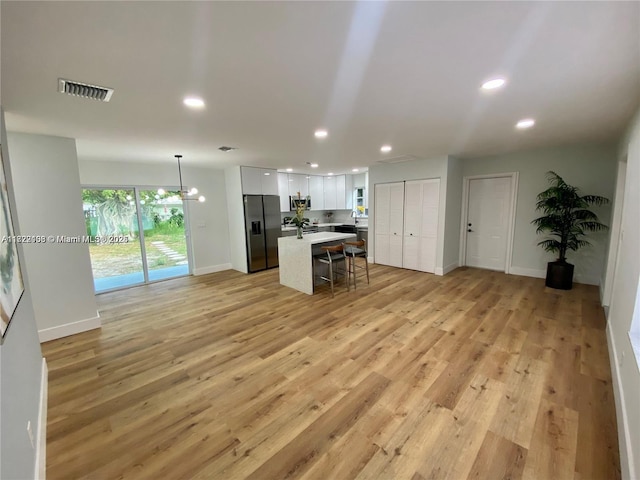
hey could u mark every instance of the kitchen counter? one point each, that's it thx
(290, 228)
(296, 257)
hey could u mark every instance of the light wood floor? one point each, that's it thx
(226, 376)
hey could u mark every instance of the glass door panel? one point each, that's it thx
(165, 243)
(112, 223)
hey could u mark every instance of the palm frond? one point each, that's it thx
(565, 218)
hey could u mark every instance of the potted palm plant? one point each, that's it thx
(565, 220)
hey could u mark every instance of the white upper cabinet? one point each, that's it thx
(298, 183)
(283, 191)
(259, 181)
(348, 192)
(341, 192)
(316, 192)
(330, 193)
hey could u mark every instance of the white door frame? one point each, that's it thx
(462, 260)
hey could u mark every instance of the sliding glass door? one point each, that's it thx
(137, 236)
(164, 234)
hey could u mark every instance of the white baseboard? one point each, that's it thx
(627, 460)
(586, 280)
(527, 272)
(212, 269)
(450, 268)
(67, 329)
(534, 272)
(41, 446)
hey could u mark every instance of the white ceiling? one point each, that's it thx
(404, 73)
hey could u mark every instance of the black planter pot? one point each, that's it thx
(559, 275)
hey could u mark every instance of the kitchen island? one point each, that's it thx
(296, 257)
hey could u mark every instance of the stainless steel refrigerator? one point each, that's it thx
(262, 226)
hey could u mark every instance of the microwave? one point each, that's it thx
(295, 201)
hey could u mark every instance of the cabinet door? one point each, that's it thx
(316, 192)
(251, 180)
(283, 191)
(330, 193)
(293, 185)
(341, 192)
(303, 184)
(269, 181)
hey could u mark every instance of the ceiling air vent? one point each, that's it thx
(84, 90)
(399, 159)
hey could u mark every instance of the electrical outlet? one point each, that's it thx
(30, 432)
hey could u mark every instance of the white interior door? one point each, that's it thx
(389, 218)
(429, 225)
(422, 199)
(488, 222)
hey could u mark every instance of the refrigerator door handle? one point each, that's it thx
(255, 228)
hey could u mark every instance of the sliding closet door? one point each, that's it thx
(389, 211)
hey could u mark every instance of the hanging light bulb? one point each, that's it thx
(185, 194)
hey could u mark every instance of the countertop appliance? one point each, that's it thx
(262, 227)
(295, 201)
(345, 228)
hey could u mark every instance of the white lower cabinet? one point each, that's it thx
(406, 224)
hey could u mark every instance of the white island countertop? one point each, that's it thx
(295, 256)
(320, 237)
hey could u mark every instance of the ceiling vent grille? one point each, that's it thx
(84, 90)
(399, 159)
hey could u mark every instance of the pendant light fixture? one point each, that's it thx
(184, 193)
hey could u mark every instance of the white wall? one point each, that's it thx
(237, 238)
(49, 202)
(208, 221)
(624, 301)
(412, 170)
(592, 168)
(453, 215)
(20, 366)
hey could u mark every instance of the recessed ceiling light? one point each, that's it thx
(313, 165)
(289, 169)
(267, 173)
(193, 102)
(493, 83)
(355, 170)
(525, 123)
(321, 133)
(385, 148)
(330, 173)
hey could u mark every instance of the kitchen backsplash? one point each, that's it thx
(339, 216)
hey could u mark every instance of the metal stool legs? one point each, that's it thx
(353, 250)
(334, 254)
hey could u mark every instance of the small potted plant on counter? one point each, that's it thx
(299, 219)
(566, 220)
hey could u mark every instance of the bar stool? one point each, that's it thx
(333, 256)
(353, 250)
